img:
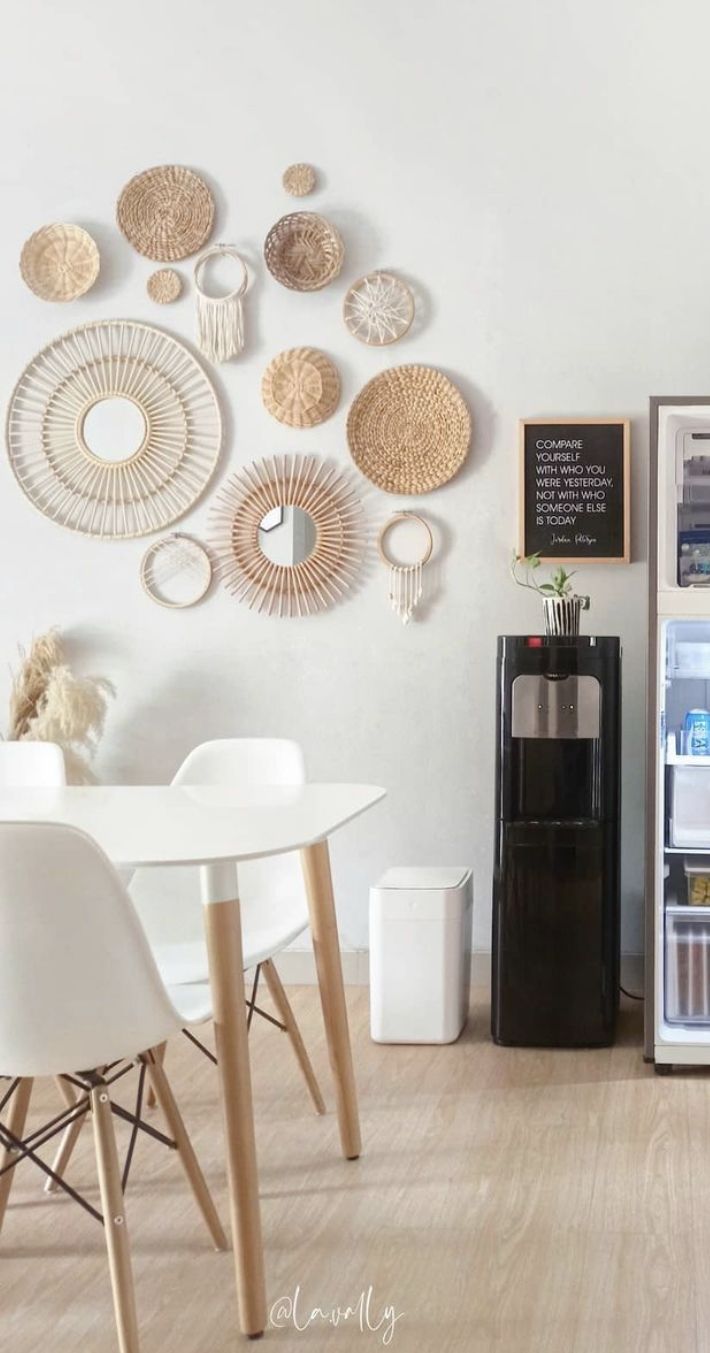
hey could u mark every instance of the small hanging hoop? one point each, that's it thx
(221, 251)
(405, 516)
(220, 321)
(188, 553)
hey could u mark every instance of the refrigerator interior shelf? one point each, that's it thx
(674, 758)
(687, 913)
(685, 850)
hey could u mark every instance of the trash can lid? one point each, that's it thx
(423, 876)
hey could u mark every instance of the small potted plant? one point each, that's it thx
(561, 605)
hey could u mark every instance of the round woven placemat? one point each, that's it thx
(303, 251)
(166, 213)
(409, 429)
(301, 387)
(59, 262)
(164, 285)
(299, 179)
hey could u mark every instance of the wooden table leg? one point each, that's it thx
(324, 929)
(224, 946)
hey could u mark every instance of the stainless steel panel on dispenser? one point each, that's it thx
(556, 707)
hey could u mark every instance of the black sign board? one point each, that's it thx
(574, 479)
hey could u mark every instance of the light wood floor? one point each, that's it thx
(508, 1201)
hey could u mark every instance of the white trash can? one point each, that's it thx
(420, 954)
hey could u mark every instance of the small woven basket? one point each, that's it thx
(409, 429)
(59, 262)
(303, 251)
(166, 213)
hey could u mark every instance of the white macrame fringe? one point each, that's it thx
(405, 590)
(220, 326)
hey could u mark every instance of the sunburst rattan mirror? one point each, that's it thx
(287, 534)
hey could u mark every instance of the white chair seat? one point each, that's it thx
(186, 960)
(192, 1001)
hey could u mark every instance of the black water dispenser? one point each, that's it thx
(556, 878)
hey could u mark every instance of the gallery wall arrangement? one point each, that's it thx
(114, 428)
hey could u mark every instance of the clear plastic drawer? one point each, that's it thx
(687, 966)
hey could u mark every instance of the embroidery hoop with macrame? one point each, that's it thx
(405, 579)
(220, 319)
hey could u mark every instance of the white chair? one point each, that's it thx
(81, 997)
(272, 893)
(28, 764)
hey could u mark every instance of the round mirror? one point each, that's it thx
(114, 428)
(287, 535)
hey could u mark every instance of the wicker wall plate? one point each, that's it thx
(176, 571)
(409, 429)
(299, 179)
(304, 251)
(301, 387)
(378, 309)
(59, 262)
(166, 213)
(164, 286)
(114, 495)
(289, 481)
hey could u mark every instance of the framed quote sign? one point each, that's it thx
(574, 489)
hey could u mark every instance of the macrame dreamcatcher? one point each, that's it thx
(405, 579)
(220, 319)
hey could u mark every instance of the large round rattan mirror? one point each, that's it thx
(113, 428)
(288, 535)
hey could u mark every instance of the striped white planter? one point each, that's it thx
(562, 614)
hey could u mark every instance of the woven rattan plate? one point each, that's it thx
(299, 179)
(303, 251)
(166, 213)
(59, 262)
(164, 286)
(409, 429)
(301, 387)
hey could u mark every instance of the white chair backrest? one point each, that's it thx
(78, 984)
(168, 899)
(28, 764)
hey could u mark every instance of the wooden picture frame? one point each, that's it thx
(593, 525)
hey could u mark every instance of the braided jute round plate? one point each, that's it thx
(301, 387)
(166, 213)
(409, 429)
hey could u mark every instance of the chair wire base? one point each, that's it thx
(26, 1148)
(252, 1008)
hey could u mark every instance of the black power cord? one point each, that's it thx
(631, 994)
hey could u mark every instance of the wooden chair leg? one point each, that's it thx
(287, 1017)
(16, 1119)
(159, 1054)
(119, 1258)
(70, 1136)
(177, 1129)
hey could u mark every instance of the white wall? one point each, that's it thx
(538, 173)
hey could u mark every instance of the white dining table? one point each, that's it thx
(216, 827)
